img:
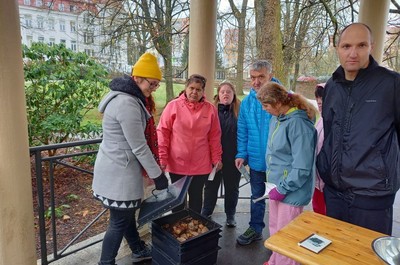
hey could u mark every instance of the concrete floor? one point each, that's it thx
(255, 254)
(229, 254)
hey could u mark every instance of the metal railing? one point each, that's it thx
(42, 159)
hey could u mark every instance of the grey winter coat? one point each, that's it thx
(124, 150)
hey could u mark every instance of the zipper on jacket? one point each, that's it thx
(275, 130)
(262, 128)
(348, 118)
(345, 127)
(268, 168)
(270, 143)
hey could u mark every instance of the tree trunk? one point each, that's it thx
(241, 19)
(259, 6)
(269, 36)
(169, 85)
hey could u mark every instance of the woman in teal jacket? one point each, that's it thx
(290, 157)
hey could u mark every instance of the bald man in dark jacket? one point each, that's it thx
(360, 156)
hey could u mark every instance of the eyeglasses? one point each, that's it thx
(154, 84)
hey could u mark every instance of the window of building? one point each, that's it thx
(72, 25)
(39, 3)
(52, 41)
(88, 37)
(29, 40)
(86, 18)
(27, 2)
(89, 52)
(61, 7)
(62, 41)
(51, 23)
(73, 45)
(62, 25)
(28, 21)
(50, 4)
(40, 22)
(72, 8)
(40, 39)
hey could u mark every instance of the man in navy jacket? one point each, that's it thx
(360, 157)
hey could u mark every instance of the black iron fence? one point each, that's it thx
(47, 211)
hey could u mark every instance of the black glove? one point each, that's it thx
(161, 182)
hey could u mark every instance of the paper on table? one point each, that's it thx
(212, 174)
(268, 187)
(315, 243)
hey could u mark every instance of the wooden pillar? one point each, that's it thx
(375, 14)
(17, 240)
(202, 41)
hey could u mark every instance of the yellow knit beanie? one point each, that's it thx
(147, 66)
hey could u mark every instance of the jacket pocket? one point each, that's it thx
(323, 167)
(118, 153)
(126, 152)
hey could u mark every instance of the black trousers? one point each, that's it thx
(195, 192)
(230, 178)
(341, 206)
(122, 224)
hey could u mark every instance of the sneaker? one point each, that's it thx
(143, 252)
(249, 236)
(230, 221)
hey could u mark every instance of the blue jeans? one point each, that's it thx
(257, 210)
(122, 224)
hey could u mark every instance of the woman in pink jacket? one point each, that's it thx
(189, 139)
(318, 201)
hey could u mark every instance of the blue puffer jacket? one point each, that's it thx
(252, 132)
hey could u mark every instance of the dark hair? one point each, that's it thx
(196, 78)
(235, 102)
(273, 93)
(319, 90)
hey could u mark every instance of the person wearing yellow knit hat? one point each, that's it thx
(147, 66)
(127, 154)
(146, 69)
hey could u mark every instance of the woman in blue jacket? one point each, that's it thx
(290, 157)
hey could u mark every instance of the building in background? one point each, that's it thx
(180, 48)
(230, 51)
(70, 22)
